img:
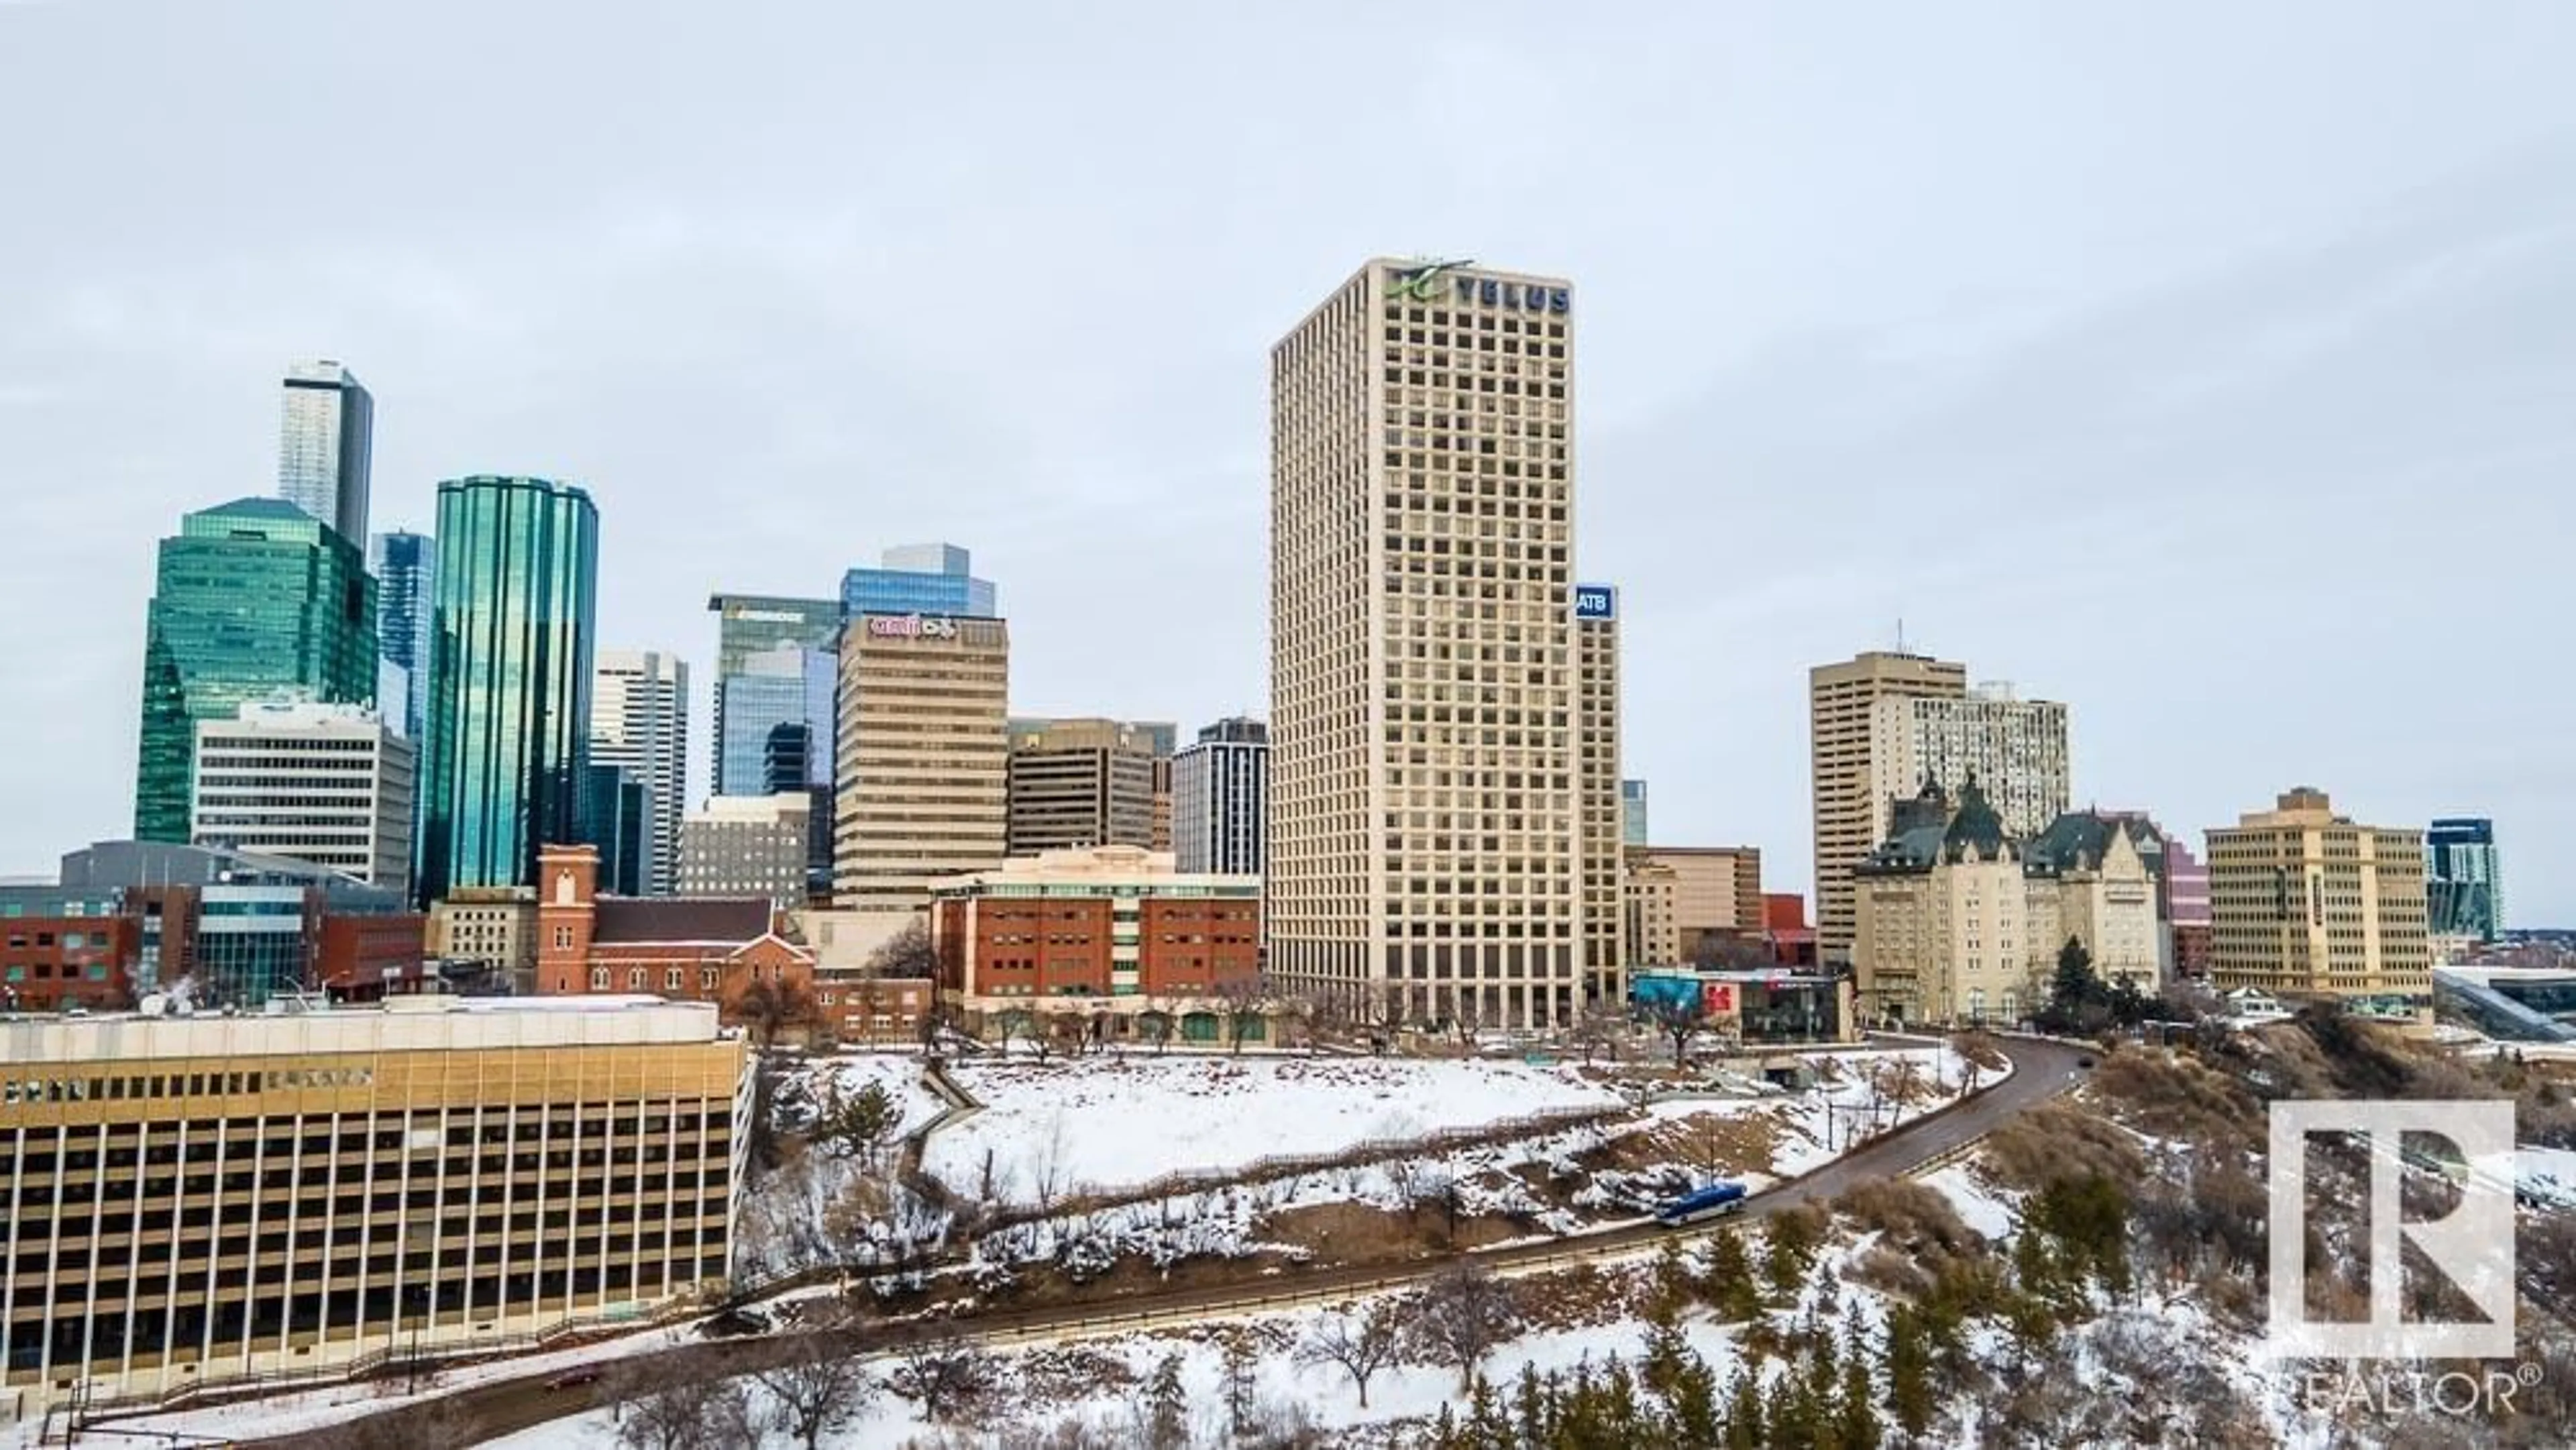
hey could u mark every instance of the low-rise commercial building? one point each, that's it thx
(1756, 1008)
(210, 1199)
(1110, 934)
(239, 928)
(1717, 893)
(66, 949)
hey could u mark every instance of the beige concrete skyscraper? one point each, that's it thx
(2306, 903)
(2015, 748)
(1431, 803)
(1850, 813)
(924, 756)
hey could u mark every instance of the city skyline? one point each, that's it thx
(2009, 338)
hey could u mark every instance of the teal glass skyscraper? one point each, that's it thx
(504, 763)
(252, 600)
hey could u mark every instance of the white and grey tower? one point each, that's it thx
(639, 722)
(324, 443)
(1431, 811)
(1217, 789)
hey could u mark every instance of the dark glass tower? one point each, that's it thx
(406, 570)
(252, 600)
(503, 765)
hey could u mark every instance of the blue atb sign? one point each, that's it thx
(1596, 601)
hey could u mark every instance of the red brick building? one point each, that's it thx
(1111, 932)
(51, 962)
(369, 958)
(1785, 930)
(692, 949)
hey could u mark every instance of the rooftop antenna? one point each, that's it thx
(1900, 634)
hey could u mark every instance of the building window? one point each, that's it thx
(707, 979)
(635, 979)
(563, 938)
(599, 979)
(671, 979)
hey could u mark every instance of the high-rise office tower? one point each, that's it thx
(1851, 814)
(1428, 819)
(923, 777)
(639, 720)
(251, 600)
(1080, 783)
(324, 444)
(748, 628)
(328, 784)
(919, 579)
(406, 570)
(2463, 878)
(1600, 829)
(505, 747)
(1218, 786)
(1632, 813)
(2304, 902)
(2015, 748)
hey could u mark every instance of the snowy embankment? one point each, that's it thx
(1096, 1123)
(822, 1204)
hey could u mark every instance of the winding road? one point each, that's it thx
(2041, 1071)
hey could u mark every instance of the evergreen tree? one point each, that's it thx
(1619, 1398)
(1672, 1276)
(1909, 1370)
(1858, 1412)
(1696, 1424)
(1444, 1430)
(1530, 1405)
(1167, 1405)
(1744, 1414)
(1788, 1418)
(1486, 1429)
(1789, 1250)
(1667, 1352)
(1730, 1278)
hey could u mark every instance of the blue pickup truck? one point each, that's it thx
(1700, 1204)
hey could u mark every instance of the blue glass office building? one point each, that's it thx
(504, 761)
(919, 579)
(2462, 880)
(406, 570)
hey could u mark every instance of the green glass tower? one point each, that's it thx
(252, 600)
(503, 766)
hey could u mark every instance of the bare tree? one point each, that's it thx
(1464, 1312)
(1597, 1027)
(1678, 1017)
(1155, 1026)
(1242, 1000)
(1014, 1022)
(907, 953)
(818, 1398)
(673, 1415)
(1068, 1033)
(1051, 1169)
(768, 1006)
(1362, 1344)
(943, 1370)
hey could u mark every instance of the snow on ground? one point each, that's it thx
(1980, 1207)
(1869, 1094)
(810, 1083)
(2546, 1174)
(1101, 1123)
(329, 1405)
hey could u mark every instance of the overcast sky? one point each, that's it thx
(2210, 367)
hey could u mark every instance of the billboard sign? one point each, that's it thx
(1596, 601)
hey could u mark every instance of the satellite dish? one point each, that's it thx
(154, 1004)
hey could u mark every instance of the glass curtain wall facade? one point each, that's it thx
(2464, 882)
(510, 680)
(406, 570)
(325, 443)
(750, 626)
(920, 579)
(253, 600)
